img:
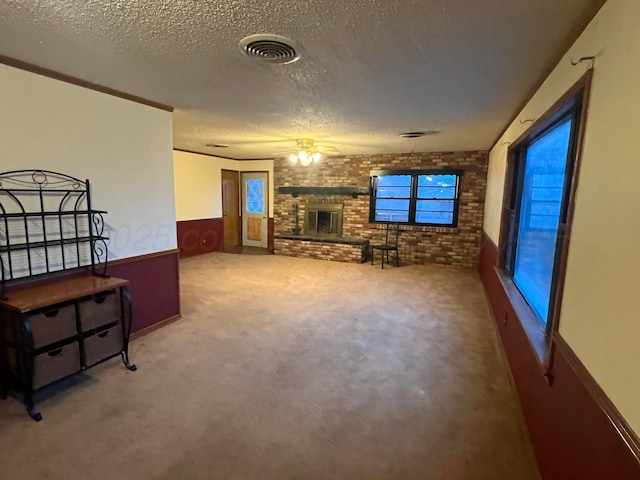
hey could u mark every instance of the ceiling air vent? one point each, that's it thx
(270, 48)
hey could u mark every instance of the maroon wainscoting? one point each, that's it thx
(196, 237)
(573, 436)
(154, 287)
(200, 236)
(270, 234)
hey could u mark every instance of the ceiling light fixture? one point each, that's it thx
(306, 154)
(304, 157)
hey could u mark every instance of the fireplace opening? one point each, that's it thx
(323, 220)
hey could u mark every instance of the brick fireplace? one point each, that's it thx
(343, 181)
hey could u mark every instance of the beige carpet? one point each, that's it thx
(286, 368)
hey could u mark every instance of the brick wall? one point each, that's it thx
(451, 246)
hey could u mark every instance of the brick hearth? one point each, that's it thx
(338, 250)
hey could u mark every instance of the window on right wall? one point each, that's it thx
(538, 205)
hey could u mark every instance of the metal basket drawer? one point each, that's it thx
(103, 344)
(53, 325)
(56, 364)
(99, 309)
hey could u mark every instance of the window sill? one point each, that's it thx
(539, 341)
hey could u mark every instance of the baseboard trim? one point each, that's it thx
(155, 326)
(618, 422)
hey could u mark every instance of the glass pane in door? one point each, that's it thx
(255, 195)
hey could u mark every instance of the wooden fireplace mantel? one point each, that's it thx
(352, 190)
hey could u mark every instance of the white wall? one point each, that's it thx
(198, 183)
(122, 147)
(601, 299)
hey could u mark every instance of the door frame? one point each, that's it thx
(267, 192)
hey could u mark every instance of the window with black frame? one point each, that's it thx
(415, 197)
(542, 175)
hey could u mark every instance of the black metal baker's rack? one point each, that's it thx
(47, 225)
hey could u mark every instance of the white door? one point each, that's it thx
(255, 209)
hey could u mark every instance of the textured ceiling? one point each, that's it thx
(371, 69)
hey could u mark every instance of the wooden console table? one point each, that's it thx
(56, 329)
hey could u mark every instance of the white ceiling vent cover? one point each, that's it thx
(271, 48)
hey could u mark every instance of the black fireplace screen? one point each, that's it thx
(323, 220)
